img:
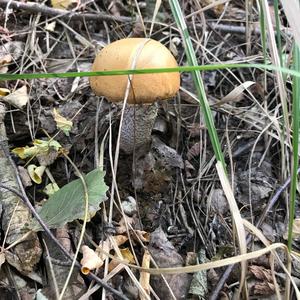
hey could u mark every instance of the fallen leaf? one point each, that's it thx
(51, 188)
(18, 98)
(216, 8)
(236, 94)
(127, 256)
(36, 173)
(39, 147)
(144, 236)
(4, 92)
(261, 273)
(62, 123)
(63, 4)
(50, 26)
(25, 152)
(90, 260)
(263, 288)
(68, 203)
(194, 151)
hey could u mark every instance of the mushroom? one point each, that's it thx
(143, 89)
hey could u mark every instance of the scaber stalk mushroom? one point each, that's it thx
(144, 89)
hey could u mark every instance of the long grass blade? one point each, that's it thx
(296, 111)
(211, 67)
(192, 61)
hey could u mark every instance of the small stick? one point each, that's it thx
(33, 7)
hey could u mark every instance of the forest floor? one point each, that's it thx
(166, 207)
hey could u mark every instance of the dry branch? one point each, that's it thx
(32, 7)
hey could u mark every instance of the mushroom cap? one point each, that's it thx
(145, 88)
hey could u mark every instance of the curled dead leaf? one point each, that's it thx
(18, 98)
(144, 236)
(90, 260)
(127, 256)
(36, 173)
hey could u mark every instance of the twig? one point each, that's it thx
(50, 234)
(270, 204)
(33, 7)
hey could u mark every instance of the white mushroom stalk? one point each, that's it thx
(144, 89)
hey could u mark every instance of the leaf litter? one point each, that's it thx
(164, 192)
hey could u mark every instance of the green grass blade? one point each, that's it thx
(212, 67)
(192, 61)
(296, 111)
(278, 31)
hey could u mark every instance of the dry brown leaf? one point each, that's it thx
(63, 4)
(90, 260)
(144, 236)
(36, 173)
(127, 256)
(194, 151)
(263, 288)
(120, 239)
(216, 8)
(122, 224)
(261, 273)
(18, 98)
(4, 60)
(236, 94)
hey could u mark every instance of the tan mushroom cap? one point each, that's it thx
(145, 88)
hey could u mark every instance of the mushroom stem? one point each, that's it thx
(137, 126)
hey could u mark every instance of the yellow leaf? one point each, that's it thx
(39, 147)
(127, 255)
(51, 188)
(63, 4)
(36, 173)
(44, 146)
(62, 123)
(4, 92)
(25, 152)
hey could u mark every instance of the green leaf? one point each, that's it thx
(67, 204)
